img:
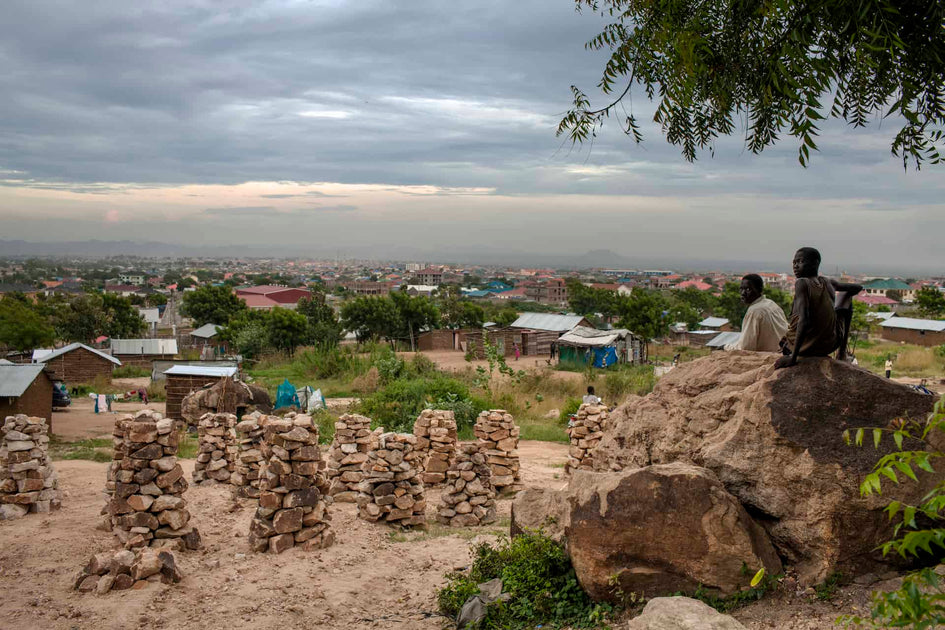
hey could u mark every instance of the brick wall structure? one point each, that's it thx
(36, 401)
(80, 366)
(179, 386)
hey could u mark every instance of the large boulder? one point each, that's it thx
(681, 613)
(540, 509)
(225, 396)
(660, 530)
(774, 440)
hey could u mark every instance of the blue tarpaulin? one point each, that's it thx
(285, 395)
(605, 356)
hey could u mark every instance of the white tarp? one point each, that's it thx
(592, 338)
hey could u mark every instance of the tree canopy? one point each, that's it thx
(931, 302)
(775, 66)
(212, 305)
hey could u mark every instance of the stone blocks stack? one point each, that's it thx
(146, 481)
(585, 433)
(28, 481)
(348, 452)
(218, 448)
(436, 437)
(249, 459)
(293, 501)
(498, 440)
(392, 490)
(119, 571)
(469, 498)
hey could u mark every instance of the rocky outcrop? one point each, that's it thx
(774, 440)
(659, 530)
(681, 613)
(540, 509)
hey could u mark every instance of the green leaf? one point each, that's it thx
(859, 437)
(877, 436)
(755, 581)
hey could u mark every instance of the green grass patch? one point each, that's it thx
(188, 445)
(538, 576)
(131, 371)
(95, 449)
(547, 431)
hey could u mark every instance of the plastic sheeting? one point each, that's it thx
(604, 357)
(310, 399)
(286, 396)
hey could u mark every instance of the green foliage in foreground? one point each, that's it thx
(537, 574)
(397, 405)
(920, 602)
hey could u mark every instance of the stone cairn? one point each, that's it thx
(348, 452)
(28, 481)
(293, 504)
(146, 483)
(119, 571)
(585, 433)
(498, 440)
(469, 498)
(436, 439)
(249, 458)
(392, 490)
(217, 448)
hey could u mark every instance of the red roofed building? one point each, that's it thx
(875, 300)
(269, 296)
(695, 284)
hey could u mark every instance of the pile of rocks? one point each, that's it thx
(498, 440)
(436, 438)
(585, 433)
(469, 498)
(119, 571)
(146, 483)
(293, 505)
(392, 490)
(249, 458)
(217, 448)
(28, 481)
(348, 452)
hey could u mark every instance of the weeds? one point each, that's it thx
(828, 589)
(96, 450)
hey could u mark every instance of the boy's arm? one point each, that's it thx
(801, 303)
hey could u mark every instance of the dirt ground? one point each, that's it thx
(373, 577)
(79, 421)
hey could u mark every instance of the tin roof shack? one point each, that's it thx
(549, 322)
(78, 363)
(718, 324)
(723, 339)
(443, 339)
(181, 380)
(602, 348)
(26, 389)
(921, 332)
(143, 352)
(531, 343)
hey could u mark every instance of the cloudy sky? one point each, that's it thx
(364, 128)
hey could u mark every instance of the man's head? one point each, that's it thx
(806, 262)
(752, 288)
(590, 390)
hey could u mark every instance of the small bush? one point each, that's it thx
(368, 382)
(325, 421)
(157, 391)
(537, 574)
(397, 405)
(465, 410)
(570, 406)
(619, 384)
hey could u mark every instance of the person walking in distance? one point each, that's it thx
(888, 367)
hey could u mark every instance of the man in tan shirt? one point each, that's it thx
(764, 324)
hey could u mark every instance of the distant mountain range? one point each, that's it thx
(600, 258)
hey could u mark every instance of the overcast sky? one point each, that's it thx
(369, 127)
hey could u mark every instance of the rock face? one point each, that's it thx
(662, 529)
(226, 396)
(774, 440)
(682, 613)
(585, 434)
(28, 481)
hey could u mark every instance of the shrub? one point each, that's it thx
(368, 382)
(538, 576)
(465, 410)
(570, 406)
(619, 384)
(397, 405)
(325, 421)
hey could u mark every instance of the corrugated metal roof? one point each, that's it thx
(144, 346)
(39, 353)
(723, 339)
(547, 321)
(593, 338)
(909, 323)
(206, 331)
(16, 379)
(887, 284)
(713, 322)
(150, 315)
(74, 346)
(5, 362)
(200, 370)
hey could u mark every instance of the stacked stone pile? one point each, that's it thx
(392, 490)
(119, 571)
(587, 431)
(293, 501)
(498, 440)
(146, 483)
(217, 448)
(436, 438)
(249, 458)
(348, 452)
(469, 498)
(28, 481)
